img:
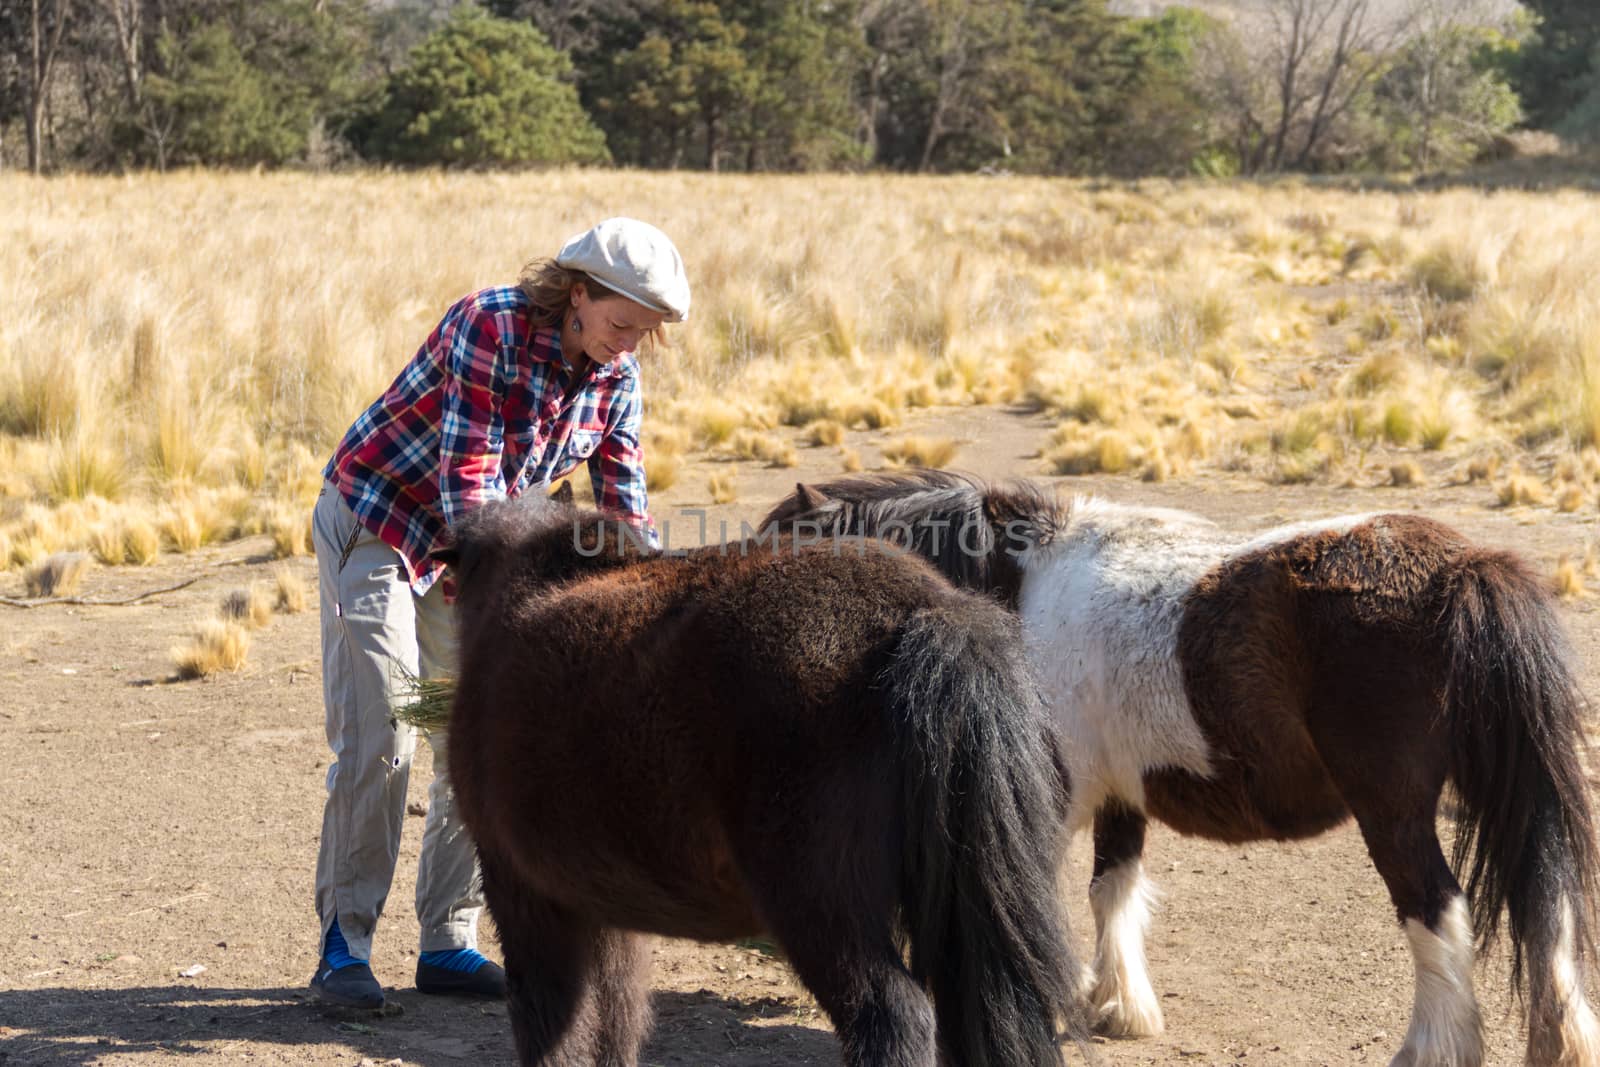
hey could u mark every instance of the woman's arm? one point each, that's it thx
(617, 466)
(471, 430)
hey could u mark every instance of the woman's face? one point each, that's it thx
(611, 327)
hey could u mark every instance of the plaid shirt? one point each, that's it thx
(478, 415)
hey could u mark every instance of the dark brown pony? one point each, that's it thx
(1271, 688)
(845, 753)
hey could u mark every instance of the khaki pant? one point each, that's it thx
(375, 633)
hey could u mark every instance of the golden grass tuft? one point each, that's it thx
(1377, 372)
(1483, 468)
(1451, 271)
(1401, 423)
(79, 467)
(1107, 452)
(661, 471)
(250, 607)
(1299, 468)
(187, 524)
(770, 449)
(872, 414)
(60, 574)
(290, 530)
(1568, 580)
(920, 451)
(215, 645)
(1406, 473)
(1570, 498)
(723, 488)
(142, 540)
(1519, 490)
(716, 422)
(849, 460)
(108, 542)
(824, 432)
(290, 594)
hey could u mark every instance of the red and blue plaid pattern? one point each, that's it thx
(478, 415)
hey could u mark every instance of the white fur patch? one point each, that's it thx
(1102, 604)
(1120, 991)
(1578, 1036)
(1445, 1028)
(1309, 528)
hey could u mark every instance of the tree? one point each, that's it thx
(223, 108)
(677, 70)
(1157, 122)
(1068, 86)
(255, 83)
(483, 91)
(1582, 122)
(1291, 94)
(1556, 70)
(1443, 98)
(801, 112)
(46, 28)
(570, 25)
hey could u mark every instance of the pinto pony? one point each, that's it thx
(848, 754)
(1269, 688)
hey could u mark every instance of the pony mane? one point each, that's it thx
(948, 517)
(502, 525)
(538, 539)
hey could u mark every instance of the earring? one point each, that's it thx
(577, 323)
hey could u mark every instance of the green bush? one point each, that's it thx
(483, 91)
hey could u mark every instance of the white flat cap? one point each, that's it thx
(635, 259)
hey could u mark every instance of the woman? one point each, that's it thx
(514, 387)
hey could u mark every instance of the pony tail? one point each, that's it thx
(984, 797)
(1526, 836)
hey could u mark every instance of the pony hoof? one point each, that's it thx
(1120, 1021)
(1413, 1057)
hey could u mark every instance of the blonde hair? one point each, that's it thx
(549, 288)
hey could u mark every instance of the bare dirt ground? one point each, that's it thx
(149, 826)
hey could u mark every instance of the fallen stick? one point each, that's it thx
(98, 602)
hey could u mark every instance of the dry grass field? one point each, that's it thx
(178, 354)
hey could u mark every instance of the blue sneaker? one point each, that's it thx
(350, 986)
(462, 972)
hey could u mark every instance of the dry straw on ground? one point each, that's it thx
(215, 645)
(920, 451)
(57, 575)
(290, 593)
(1568, 580)
(723, 487)
(251, 606)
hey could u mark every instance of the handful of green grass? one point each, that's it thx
(425, 702)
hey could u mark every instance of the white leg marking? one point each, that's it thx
(1445, 1028)
(1121, 994)
(1571, 1037)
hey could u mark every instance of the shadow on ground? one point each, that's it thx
(77, 1028)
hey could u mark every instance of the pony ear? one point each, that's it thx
(1019, 528)
(808, 498)
(563, 495)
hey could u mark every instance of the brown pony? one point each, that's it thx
(846, 753)
(1270, 688)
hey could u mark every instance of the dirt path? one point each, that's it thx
(149, 826)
